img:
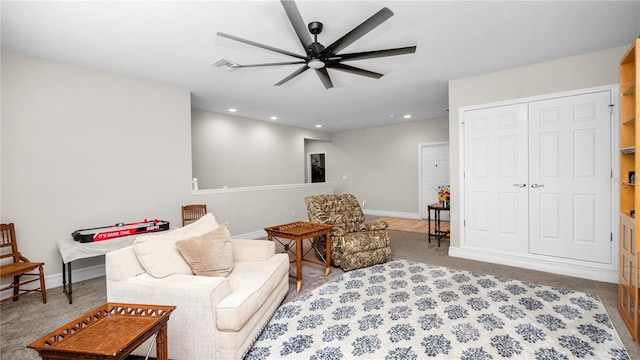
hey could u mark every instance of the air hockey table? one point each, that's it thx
(119, 230)
(113, 237)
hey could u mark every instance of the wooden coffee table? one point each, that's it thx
(111, 331)
(299, 231)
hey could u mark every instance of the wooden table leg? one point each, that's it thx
(429, 224)
(298, 264)
(327, 243)
(162, 351)
(438, 232)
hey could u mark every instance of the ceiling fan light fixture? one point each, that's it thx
(316, 64)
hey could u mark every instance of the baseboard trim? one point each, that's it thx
(397, 214)
(591, 271)
(254, 235)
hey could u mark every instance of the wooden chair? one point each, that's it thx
(192, 213)
(18, 267)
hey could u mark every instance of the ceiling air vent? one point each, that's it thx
(226, 64)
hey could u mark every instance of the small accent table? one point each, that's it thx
(111, 331)
(437, 232)
(299, 231)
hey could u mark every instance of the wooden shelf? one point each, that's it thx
(628, 150)
(628, 283)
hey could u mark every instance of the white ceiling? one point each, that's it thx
(174, 43)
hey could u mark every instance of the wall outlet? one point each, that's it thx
(363, 202)
(293, 213)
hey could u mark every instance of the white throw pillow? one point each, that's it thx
(158, 254)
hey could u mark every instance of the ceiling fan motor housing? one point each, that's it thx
(315, 27)
(315, 48)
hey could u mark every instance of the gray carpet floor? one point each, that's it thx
(28, 319)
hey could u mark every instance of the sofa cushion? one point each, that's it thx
(210, 254)
(158, 254)
(252, 284)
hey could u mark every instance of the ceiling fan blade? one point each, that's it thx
(323, 74)
(355, 70)
(359, 31)
(272, 64)
(377, 53)
(292, 75)
(267, 47)
(297, 22)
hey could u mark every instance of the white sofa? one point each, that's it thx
(215, 317)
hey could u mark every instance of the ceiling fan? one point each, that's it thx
(321, 58)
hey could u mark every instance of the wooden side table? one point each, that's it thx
(111, 331)
(437, 232)
(299, 231)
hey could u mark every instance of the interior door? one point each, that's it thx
(496, 178)
(570, 177)
(435, 173)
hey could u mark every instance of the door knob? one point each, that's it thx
(536, 185)
(520, 185)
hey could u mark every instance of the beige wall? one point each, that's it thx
(234, 151)
(571, 73)
(381, 164)
(82, 149)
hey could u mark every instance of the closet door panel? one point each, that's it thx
(551, 203)
(496, 177)
(570, 177)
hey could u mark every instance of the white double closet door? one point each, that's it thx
(537, 177)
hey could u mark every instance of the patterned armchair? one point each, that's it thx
(354, 243)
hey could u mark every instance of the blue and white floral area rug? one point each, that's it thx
(409, 310)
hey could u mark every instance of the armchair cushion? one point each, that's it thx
(375, 225)
(158, 254)
(210, 254)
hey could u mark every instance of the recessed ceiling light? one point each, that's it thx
(233, 109)
(274, 118)
(318, 126)
(392, 115)
(407, 116)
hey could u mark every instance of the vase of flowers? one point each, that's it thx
(444, 195)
